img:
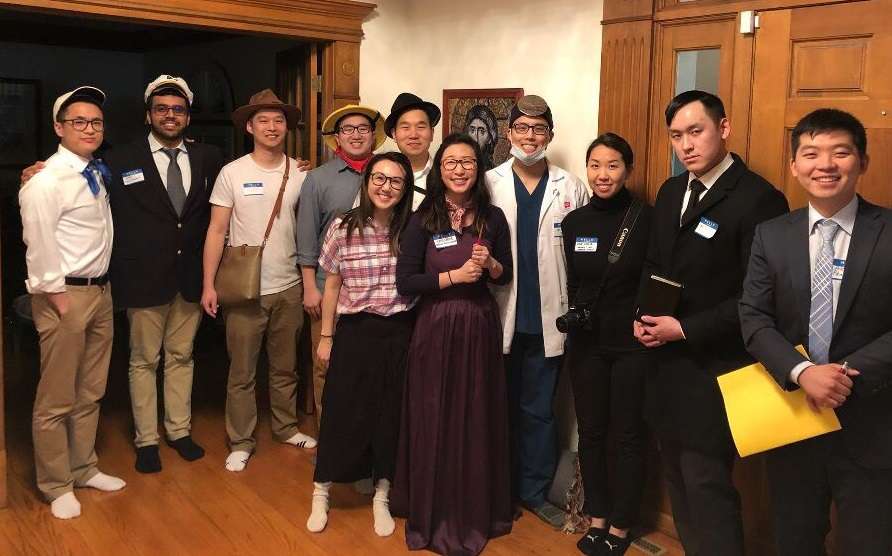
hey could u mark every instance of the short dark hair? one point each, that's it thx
(167, 91)
(337, 125)
(824, 120)
(711, 103)
(615, 142)
(63, 110)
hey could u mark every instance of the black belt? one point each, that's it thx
(77, 281)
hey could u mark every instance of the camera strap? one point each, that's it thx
(619, 244)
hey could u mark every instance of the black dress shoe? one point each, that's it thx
(147, 459)
(188, 450)
(592, 539)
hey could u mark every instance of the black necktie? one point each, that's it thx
(696, 188)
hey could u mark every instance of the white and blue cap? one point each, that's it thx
(168, 82)
(84, 93)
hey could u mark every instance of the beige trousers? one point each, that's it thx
(75, 350)
(280, 316)
(171, 327)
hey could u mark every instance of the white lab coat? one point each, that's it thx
(565, 193)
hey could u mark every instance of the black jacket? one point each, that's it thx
(156, 254)
(774, 315)
(685, 404)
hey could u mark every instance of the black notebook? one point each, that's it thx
(659, 298)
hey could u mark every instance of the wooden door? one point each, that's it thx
(823, 56)
(732, 53)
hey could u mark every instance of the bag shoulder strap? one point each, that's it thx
(277, 208)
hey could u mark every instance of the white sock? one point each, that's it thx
(65, 506)
(105, 483)
(237, 460)
(302, 440)
(319, 513)
(384, 524)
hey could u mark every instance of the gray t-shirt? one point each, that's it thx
(327, 192)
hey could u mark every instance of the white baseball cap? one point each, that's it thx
(166, 81)
(85, 91)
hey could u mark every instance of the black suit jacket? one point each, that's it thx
(774, 315)
(685, 404)
(157, 254)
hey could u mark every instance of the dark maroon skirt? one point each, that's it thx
(452, 478)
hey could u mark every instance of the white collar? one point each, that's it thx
(709, 178)
(155, 145)
(77, 162)
(426, 170)
(845, 216)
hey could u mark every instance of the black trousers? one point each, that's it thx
(608, 389)
(805, 477)
(705, 503)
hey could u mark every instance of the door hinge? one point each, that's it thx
(316, 83)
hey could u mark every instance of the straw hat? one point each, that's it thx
(328, 126)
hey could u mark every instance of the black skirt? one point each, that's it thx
(363, 398)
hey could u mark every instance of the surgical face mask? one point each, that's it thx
(527, 159)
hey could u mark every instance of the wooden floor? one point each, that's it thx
(200, 508)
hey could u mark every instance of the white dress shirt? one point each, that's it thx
(420, 178)
(162, 162)
(708, 180)
(67, 230)
(845, 217)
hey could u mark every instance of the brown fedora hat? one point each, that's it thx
(265, 100)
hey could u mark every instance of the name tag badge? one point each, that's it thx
(444, 240)
(839, 268)
(133, 176)
(706, 228)
(586, 244)
(557, 226)
(252, 188)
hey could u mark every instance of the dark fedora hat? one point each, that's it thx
(265, 100)
(405, 102)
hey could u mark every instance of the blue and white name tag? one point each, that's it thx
(133, 176)
(706, 228)
(252, 188)
(444, 240)
(586, 245)
(557, 226)
(839, 268)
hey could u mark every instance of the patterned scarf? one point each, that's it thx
(456, 213)
(357, 165)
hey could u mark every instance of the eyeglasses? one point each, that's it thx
(523, 129)
(396, 183)
(466, 163)
(362, 129)
(80, 124)
(163, 109)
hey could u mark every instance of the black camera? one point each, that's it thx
(577, 317)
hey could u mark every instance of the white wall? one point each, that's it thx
(550, 48)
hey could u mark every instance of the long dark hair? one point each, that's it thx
(434, 215)
(488, 117)
(356, 218)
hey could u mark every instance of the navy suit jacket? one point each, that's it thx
(774, 316)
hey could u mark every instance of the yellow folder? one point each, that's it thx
(764, 416)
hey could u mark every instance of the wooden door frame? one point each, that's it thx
(337, 24)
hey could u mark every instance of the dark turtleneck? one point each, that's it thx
(602, 218)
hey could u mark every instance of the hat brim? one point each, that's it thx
(328, 135)
(431, 109)
(242, 114)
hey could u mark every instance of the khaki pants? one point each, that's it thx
(173, 327)
(319, 370)
(74, 355)
(279, 315)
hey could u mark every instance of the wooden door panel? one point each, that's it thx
(822, 56)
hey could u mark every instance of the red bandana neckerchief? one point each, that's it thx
(357, 165)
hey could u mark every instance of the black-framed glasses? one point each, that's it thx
(362, 129)
(523, 129)
(163, 109)
(80, 124)
(396, 183)
(466, 163)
